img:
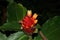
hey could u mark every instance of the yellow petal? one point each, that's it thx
(35, 15)
(29, 13)
(35, 21)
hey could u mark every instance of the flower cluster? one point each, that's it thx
(28, 22)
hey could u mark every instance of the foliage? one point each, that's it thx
(51, 28)
(3, 36)
(18, 36)
(16, 12)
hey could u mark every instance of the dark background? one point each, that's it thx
(45, 8)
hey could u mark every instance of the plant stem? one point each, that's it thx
(43, 36)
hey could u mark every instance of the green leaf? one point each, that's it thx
(2, 36)
(10, 1)
(38, 26)
(11, 26)
(18, 36)
(21, 11)
(16, 12)
(51, 28)
(12, 12)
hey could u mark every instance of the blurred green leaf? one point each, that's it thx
(21, 11)
(12, 12)
(38, 26)
(2, 36)
(51, 28)
(10, 1)
(11, 26)
(16, 12)
(18, 36)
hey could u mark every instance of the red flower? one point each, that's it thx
(28, 22)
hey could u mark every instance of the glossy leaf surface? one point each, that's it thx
(15, 12)
(18, 36)
(3, 36)
(51, 28)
